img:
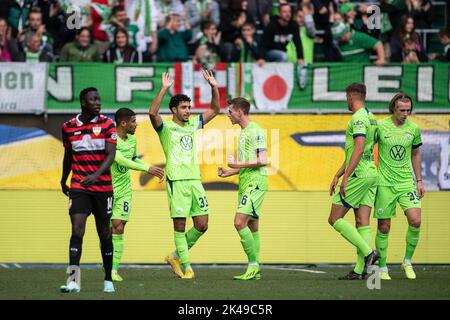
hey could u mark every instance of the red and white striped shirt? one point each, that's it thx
(88, 150)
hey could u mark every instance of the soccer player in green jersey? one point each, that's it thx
(125, 160)
(185, 191)
(252, 159)
(358, 186)
(398, 147)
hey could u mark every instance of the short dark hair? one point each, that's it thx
(240, 103)
(284, 5)
(402, 97)
(176, 99)
(444, 32)
(123, 114)
(85, 91)
(116, 9)
(35, 10)
(207, 24)
(79, 31)
(358, 88)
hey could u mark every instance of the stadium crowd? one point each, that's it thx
(209, 31)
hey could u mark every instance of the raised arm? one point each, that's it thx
(215, 98)
(155, 117)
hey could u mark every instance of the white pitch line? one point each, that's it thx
(17, 265)
(4, 265)
(291, 269)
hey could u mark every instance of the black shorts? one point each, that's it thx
(99, 204)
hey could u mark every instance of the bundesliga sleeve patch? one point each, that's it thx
(359, 124)
(114, 136)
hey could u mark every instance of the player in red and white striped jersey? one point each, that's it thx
(90, 146)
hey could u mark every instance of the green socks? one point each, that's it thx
(182, 248)
(366, 234)
(192, 236)
(117, 240)
(381, 243)
(256, 244)
(352, 235)
(412, 237)
(248, 243)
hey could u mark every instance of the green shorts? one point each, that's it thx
(121, 208)
(250, 201)
(387, 198)
(187, 198)
(359, 191)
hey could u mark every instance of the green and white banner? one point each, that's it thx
(276, 88)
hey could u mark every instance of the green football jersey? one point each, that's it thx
(395, 145)
(252, 139)
(179, 148)
(124, 160)
(362, 123)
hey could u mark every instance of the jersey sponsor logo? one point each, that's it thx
(186, 142)
(96, 130)
(397, 153)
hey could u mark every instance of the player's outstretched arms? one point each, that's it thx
(155, 117)
(67, 165)
(110, 152)
(156, 172)
(215, 98)
(224, 173)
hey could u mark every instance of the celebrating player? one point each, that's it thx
(184, 189)
(358, 186)
(252, 159)
(90, 145)
(125, 160)
(398, 146)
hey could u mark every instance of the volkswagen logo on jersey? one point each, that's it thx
(97, 130)
(186, 142)
(397, 152)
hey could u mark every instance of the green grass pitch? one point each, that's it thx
(278, 283)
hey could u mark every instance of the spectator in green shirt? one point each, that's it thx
(172, 42)
(80, 50)
(356, 46)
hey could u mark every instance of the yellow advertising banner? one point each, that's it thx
(304, 151)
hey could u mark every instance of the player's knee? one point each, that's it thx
(415, 223)
(202, 227)
(239, 225)
(384, 228)
(77, 232)
(118, 229)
